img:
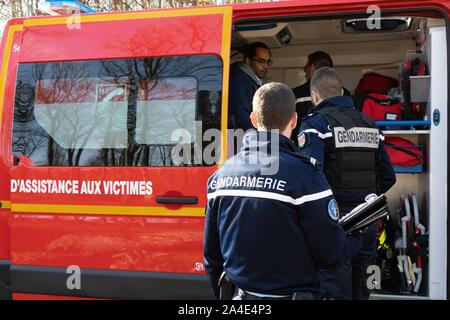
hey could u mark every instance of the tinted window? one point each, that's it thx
(115, 112)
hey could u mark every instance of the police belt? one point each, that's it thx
(303, 295)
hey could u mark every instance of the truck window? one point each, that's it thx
(129, 112)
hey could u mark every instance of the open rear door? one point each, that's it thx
(108, 184)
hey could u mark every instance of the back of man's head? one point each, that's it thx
(320, 59)
(274, 105)
(326, 83)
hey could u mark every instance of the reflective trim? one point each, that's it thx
(270, 195)
(5, 204)
(19, 208)
(321, 135)
(123, 16)
(303, 99)
(261, 295)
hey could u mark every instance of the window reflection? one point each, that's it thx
(85, 114)
(113, 112)
(164, 106)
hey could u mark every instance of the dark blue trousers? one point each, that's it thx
(349, 280)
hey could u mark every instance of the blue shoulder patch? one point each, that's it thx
(333, 210)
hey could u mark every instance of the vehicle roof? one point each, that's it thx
(237, 8)
(263, 9)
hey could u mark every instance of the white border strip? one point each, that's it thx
(303, 99)
(270, 195)
(321, 135)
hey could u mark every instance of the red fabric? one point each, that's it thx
(373, 82)
(400, 158)
(382, 108)
(415, 68)
(418, 70)
(413, 110)
(422, 69)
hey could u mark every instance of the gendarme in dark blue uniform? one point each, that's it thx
(356, 164)
(317, 141)
(271, 233)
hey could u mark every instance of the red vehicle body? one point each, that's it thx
(126, 245)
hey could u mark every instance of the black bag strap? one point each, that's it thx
(388, 102)
(337, 116)
(367, 120)
(405, 150)
(345, 120)
(358, 101)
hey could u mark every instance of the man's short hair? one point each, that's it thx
(274, 105)
(250, 50)
(320, 59)
(326, 83)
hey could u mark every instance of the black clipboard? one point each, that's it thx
(365, 214)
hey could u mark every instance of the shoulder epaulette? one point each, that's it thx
(313, 161)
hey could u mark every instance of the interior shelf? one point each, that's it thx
(413, 126)
(401, 128)
(405, 132)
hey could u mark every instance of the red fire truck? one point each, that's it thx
(93, 203)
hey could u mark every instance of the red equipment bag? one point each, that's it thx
(379, 107)
(403, 152)
(373, 82)
(413, 110)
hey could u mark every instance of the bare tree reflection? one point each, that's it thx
(63, 118)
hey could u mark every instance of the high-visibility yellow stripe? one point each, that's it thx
(106, 210)
(226, 45)
(5, 204)
(86, 18)
(5, 63)
(382, 240)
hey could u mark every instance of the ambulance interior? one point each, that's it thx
(356, 49)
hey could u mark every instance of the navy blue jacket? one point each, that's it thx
(319, 140)
(243, 85)
(304, 105)
(270, 233)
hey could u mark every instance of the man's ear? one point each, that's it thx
(254, 120)
(294, 120)
(313, 69)
(315, 98)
